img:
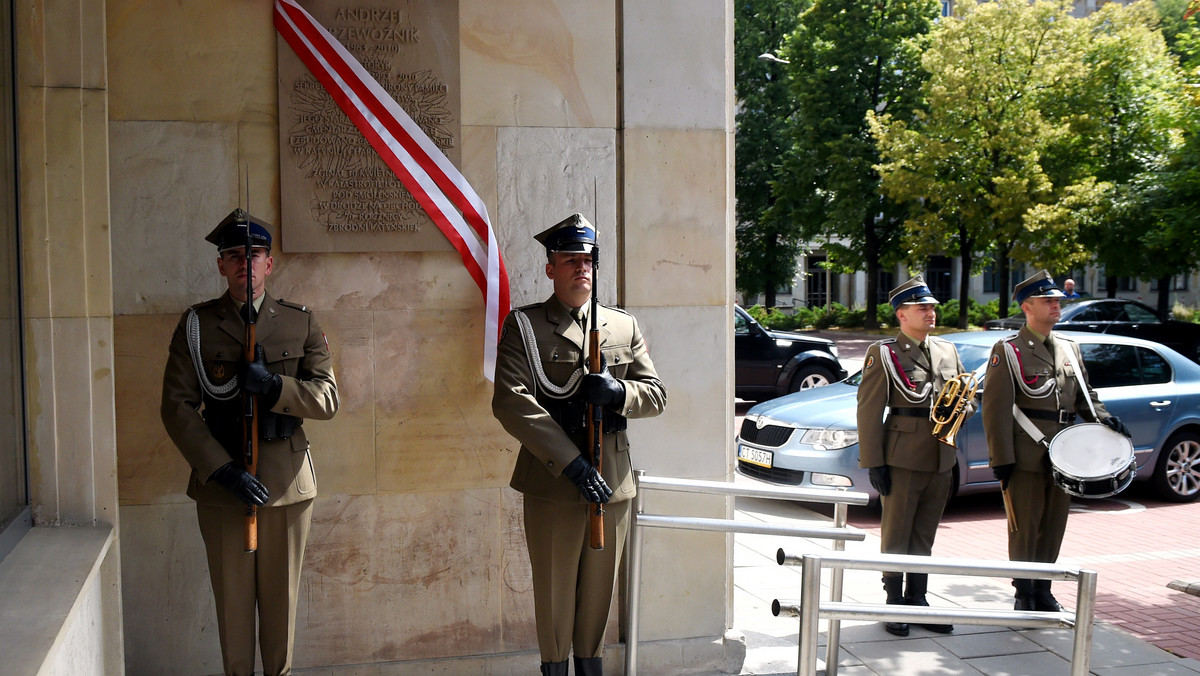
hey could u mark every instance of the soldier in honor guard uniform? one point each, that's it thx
(1033, 389)
(202, 410)
(541, 392)
(908, 465)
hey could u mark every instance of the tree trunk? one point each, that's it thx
(1111, 282)
(871, 256)
(769, 273)
(1164, 296)
(1002, 272)
(964, 282)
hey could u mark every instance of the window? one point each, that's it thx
(1178, 283)
(1124, 365)
(1110, 365)
(1140, 315)
(740, 326)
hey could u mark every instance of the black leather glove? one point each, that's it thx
(1003, 473)
(601, 389)
(587, 480)
(1117, 426)
(881, 479)
(242, 484)
(260, 381)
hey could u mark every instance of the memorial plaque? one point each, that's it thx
(336, 194)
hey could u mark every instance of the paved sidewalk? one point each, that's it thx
(866, 649)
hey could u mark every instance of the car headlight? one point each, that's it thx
(830, 439)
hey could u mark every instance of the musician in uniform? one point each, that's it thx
(1036, 371)
(908, 465)
(540, 398)
(203, 410)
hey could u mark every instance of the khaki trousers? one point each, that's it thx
(912, 511)
(572, 583)
(267, 579)
(1040, 509)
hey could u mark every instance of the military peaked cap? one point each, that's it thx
(573, 234)
(1040, 285)
(231, 233)
(914, 292)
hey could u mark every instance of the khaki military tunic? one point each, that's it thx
(905, 386)
(1040, 506)
(294, 347)
(573, 584)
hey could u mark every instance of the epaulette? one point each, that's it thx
(206, 303)
(294, 306)
(1059, 336)
(615, 308)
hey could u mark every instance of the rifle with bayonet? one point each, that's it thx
(595, 412)
(250, 401)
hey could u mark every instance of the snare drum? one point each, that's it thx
(1090, 460)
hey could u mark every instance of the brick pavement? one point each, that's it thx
(1136, 543)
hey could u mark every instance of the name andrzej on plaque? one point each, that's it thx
(336, 193)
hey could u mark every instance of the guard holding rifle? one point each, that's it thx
(542, 397)
(910, 404)
(211, 396)
(1033, 392)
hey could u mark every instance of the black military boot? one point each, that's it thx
(918, 583)
(554, 668)
(1043, 600)
(894, 586)
(1024, 594)
(589, 666)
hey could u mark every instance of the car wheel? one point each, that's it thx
(1177, 476)
(808, 377)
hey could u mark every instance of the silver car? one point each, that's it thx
(810, 438)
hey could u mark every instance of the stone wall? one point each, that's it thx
(619, 110)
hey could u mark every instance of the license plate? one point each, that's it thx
(754, 456)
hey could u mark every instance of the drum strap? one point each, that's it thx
(1030, 429)
(1083, 388)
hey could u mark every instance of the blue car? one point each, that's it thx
(810, 438)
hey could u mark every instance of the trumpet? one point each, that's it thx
(950, 408)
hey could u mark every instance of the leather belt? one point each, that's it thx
(1062, 417)
(911, 412)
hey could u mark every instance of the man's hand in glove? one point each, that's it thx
(1117, 426)
(260, 381)
(881, 479)
(242, 484)
(587, 480)
(1003, 473)
(601, 389)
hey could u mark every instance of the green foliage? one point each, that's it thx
(977, 313)
(971, 162)
(1183, 313)
(767, 247)
(848, 57)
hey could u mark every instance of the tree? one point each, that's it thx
(848, 57)
(766, 247)
(1134, 95)
(971, 162)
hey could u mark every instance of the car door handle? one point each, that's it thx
(1160, 404)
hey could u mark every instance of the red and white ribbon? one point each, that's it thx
(437, 185)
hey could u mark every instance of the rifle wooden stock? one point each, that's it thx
(595, 432)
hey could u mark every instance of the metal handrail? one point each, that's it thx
(840, 498)
(811, 609)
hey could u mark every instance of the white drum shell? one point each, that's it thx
(1090, 460)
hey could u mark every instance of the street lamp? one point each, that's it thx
(769, 56)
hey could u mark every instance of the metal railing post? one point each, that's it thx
(841, 514)
(1085, 620)
(810, 606)
(633, 591)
